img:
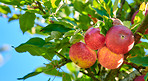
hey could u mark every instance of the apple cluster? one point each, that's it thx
(110, 48)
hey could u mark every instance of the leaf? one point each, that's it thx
(11, 2)
(26, 21)
(56, 34)
(142, 6)
(101, 12)
(79, 6)
(72, 67)
(140, 60)
(127, 23)
(35, 47)
(139, 17)
(146, 77)
(84, 19)
(29, 75)
(143, 44)
(55, 27)
(48, 4)
(69, 33)
(66, 77)
(4, 9)
(115, 7)
(136, 50)
(108, 23)
(76, 38)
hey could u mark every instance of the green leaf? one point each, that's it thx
(69, 33)
(4, 9)
(35, 47)
(48, 4)
(101, 12)
(55, 27)
(136, 50)
(66, 77)
(108, 23)
(26, 21)
(76, 38)
(139, 17)
(84, 19)
(79, 6)
(11, 2)
(29, 75)
(140, 60)
(127, 23)
(115, 7)
(56, 34)
(146, 77)
(72, 67)
(143, 44)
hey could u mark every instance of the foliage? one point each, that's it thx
(67, 22)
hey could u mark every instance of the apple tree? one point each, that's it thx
(77, 33)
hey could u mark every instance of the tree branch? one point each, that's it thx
(134, 65)
(60, 55)
(40, 7)
(90, 74)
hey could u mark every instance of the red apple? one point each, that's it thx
(146, 31)
(109, 59)
(94, 39)
(116, 21)
(119, 39)
(82, 55)
(139, 78)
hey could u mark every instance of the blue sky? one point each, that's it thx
(16, 65)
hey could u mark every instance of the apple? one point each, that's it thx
(139, 78)
(116, 21)
(119, 39)
(82, 55)
(94, 39)
(146, 31)
(109, 59)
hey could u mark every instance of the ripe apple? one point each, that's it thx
(82, 55)
(139, 78)
(119, 39)
(94, 39)
(146, 31)
(116, 21)
(109, 59)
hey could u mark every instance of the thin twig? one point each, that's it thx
(40, 7)
(60, 55)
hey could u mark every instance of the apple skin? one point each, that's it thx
(146, 31)
(94, 39)
(82, 55)
(116, 21)
(109, 59)
(119, 39)
(139, 78)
